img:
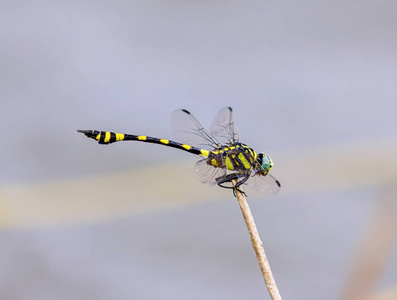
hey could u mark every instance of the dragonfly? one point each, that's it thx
(223, 157)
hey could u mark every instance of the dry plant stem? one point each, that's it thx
(257, 245)
(375, 248)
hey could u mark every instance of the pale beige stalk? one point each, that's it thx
(258, 246)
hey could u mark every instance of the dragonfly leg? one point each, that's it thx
(240, 183)
(224, 179)
(229, 178)
(243, 180)
(237, 189)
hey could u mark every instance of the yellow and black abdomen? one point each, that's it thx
(107, 137)
(103, 137)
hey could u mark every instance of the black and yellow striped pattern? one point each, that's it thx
(237, 157)
(107, 137)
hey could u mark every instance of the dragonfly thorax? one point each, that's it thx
(235, 157)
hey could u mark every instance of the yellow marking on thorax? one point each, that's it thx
(164, 141)
(229, 164)
(205, 153)
(251, 156)
(235, 161)
(214, 162)
(107, 137)
(245, 162)
(119, 136)
(142, 138)
(187, 147)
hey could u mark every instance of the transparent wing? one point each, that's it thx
(207, 173)
(186, 129)
(223, 127)
(266, 184)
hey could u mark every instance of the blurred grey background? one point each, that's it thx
(312, 84)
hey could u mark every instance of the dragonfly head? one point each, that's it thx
(265, 161)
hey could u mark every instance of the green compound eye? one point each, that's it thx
(265, 161)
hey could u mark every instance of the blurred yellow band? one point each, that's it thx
(358, 164)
